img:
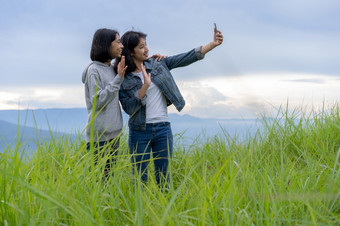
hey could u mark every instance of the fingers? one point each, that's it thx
(121, 71)
(121, 67)
(218, 37)
(143, 68)
(158, 56)
(124, 69)
(155, 56)
(121, 64)
(147, 77)
(144, 71)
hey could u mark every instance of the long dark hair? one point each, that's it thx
(129, 40)
(100, 49)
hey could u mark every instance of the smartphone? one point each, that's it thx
(215, 26)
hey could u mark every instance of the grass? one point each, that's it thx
(288, 173)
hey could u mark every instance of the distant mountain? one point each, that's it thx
(73, 120)
(65, 120)
(11, 134)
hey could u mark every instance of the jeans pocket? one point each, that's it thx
(165, 124)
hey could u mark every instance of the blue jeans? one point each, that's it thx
(157, 140)
(105, 148)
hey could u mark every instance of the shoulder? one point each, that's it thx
(152, 63)
(128, 81)
(93, 68)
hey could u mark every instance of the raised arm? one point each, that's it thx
(192, 56)
(147, 82)
(104, 95)
(218, 39)
(131, 104)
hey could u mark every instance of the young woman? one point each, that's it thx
(147, 90)
(102, 85)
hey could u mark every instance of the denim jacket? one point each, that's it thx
(134, 106)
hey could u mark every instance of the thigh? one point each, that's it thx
(163, 141)
(139, 144)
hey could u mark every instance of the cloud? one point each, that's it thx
(42, 97)
(47, 43)
(205, 101)
(197, 94)
(271, 50)
(308, 80)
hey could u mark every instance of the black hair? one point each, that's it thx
(129, 40)
(100, 49)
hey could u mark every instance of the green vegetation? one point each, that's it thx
(288, 173)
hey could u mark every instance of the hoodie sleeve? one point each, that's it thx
(103, 95)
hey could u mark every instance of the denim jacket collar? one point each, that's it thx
(149, 63)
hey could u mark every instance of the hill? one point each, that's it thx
(73, 120)
(28, 136)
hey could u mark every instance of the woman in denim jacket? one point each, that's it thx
(147, 90)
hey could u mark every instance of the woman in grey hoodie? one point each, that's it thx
(102, 85)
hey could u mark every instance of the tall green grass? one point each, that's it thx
(288, 173)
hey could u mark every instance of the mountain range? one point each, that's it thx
(59, 121)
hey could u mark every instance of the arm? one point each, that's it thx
(106, 94)
(218, 39)
(103, 95)
(183, 59)
(192, 56)
(147, 82)
(132, 104)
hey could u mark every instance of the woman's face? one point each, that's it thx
(116, 47)
(141, 51)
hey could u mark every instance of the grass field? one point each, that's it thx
(288, 173)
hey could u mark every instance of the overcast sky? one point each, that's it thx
(273, 51)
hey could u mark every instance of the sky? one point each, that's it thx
(273, 52)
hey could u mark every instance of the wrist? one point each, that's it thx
(212, 45)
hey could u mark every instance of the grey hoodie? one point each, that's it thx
(108, 121)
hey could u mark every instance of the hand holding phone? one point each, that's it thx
(218, 37)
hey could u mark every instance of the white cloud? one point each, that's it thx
(223, 97)
(256, 95)
(42, 97)
(270, 49)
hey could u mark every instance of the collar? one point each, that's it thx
(148, 63)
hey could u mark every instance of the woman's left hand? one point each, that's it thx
(218, 37)
(121, 67)
(158, 56)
